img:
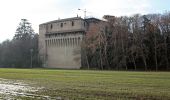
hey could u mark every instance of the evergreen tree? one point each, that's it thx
(22, 50)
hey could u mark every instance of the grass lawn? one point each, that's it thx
(93, 85)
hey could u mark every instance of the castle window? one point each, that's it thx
(61, 25)
(72, 23)
(51, 26)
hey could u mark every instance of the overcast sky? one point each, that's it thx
(40, 11)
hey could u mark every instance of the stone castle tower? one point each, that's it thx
(60, 42)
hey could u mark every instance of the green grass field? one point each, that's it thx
(93, 85)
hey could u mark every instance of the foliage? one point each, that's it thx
(18, 51)
(140, 42)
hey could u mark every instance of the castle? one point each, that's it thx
(60, 42)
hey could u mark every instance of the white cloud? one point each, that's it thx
(40, 11)
(36, 11)
(116, 7)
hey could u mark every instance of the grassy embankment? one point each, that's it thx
(84, 84)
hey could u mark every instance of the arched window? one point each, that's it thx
(72, 23)
(61, 25)
(51, 26)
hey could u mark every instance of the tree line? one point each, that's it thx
(140, 42)
(22, 50)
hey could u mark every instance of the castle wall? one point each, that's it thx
(64, 51)
(75, 24)
(41, 44)
(60, 43)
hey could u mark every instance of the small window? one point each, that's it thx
(72, 23)
(51, 26)
(61, 25)
(84, 24)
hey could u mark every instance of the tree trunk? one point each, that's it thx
(166, 53)
(124, 55)
(106, 56)
(87, 61)
(134, 63)
(155, 50)
(144, 58)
